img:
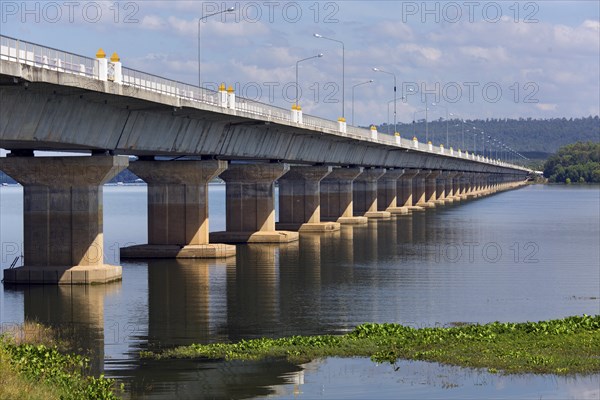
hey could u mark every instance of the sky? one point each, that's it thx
(474, 59)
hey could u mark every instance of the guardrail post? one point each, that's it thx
(441, 149)
(460, 153)
(374, 132)
(294, 113)
(222, 96)
(398, 138)
(430, 146)
(299, 109)
(451, 151)
(415, 142)
(117, 68)
(342, 124)
(230, 98)
(102, 65)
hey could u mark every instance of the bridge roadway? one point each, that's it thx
(328, 173)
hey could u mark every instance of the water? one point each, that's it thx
(528, 254)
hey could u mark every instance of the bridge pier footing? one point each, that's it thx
(420, 184)
(62, 219)
(336, 197)
(178, 210)
(300, 200)
(364, 189)
(387, 192)
(250, 205)
(406, 190)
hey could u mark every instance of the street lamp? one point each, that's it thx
(463, 127)
(388, 111)
(446, 108)
(298, 62)
(358, 84)
(343, 70)
(230, 9)
(394, 75)
(414, 126)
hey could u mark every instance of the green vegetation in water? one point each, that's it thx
(565, 346)
(575, 163)
(44, 371)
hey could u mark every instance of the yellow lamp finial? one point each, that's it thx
(222, 87)
(100, 53)
(230, 89)
(115, 57)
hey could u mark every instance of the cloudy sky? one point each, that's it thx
(477, 59)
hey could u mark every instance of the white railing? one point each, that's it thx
(45, 57)
(24, 52)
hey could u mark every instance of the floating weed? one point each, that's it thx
(564, 346)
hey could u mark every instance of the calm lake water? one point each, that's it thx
(527, 254)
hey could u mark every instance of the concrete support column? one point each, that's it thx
(440, 189)
(456, 186)
(420, 189)
(430, 187)
(336, 196)
(465, 186)
(365, 193)
(405, 190)
(448, 187)
(388, 188)
(482, 189)
(472, 188)
(178, 210)
(250, 205)
(300, 200)
(63, 221)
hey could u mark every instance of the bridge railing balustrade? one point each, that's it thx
(46, 57)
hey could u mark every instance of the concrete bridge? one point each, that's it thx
(328, 173)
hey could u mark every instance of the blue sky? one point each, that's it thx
(477, 59)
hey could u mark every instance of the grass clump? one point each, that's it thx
(44, 371)
(563, 346)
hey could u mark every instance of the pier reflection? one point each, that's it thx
(76, 314)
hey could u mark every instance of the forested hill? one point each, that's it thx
(535, 138)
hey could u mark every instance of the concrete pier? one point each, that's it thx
(250, 206)
(300, 200)
(456, 186)
(178, 210)
(431, 188)
(365, 194)
(387, 192)
(336, 197)
(63, 221)
(405, 190)
(440, 189)
(448, 187)
(420, 184)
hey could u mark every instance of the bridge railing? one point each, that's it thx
(271, 113)
(24, 52)
(157, 84)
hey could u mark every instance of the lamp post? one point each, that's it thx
(343, 69)
(463, 127)
(298, 62)
(446, 108)
(230, 9)
(358, 84)
(414, 126)
(388, 110)
(394, 75)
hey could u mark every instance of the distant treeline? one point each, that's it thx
(578, 162)
(534, 138)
